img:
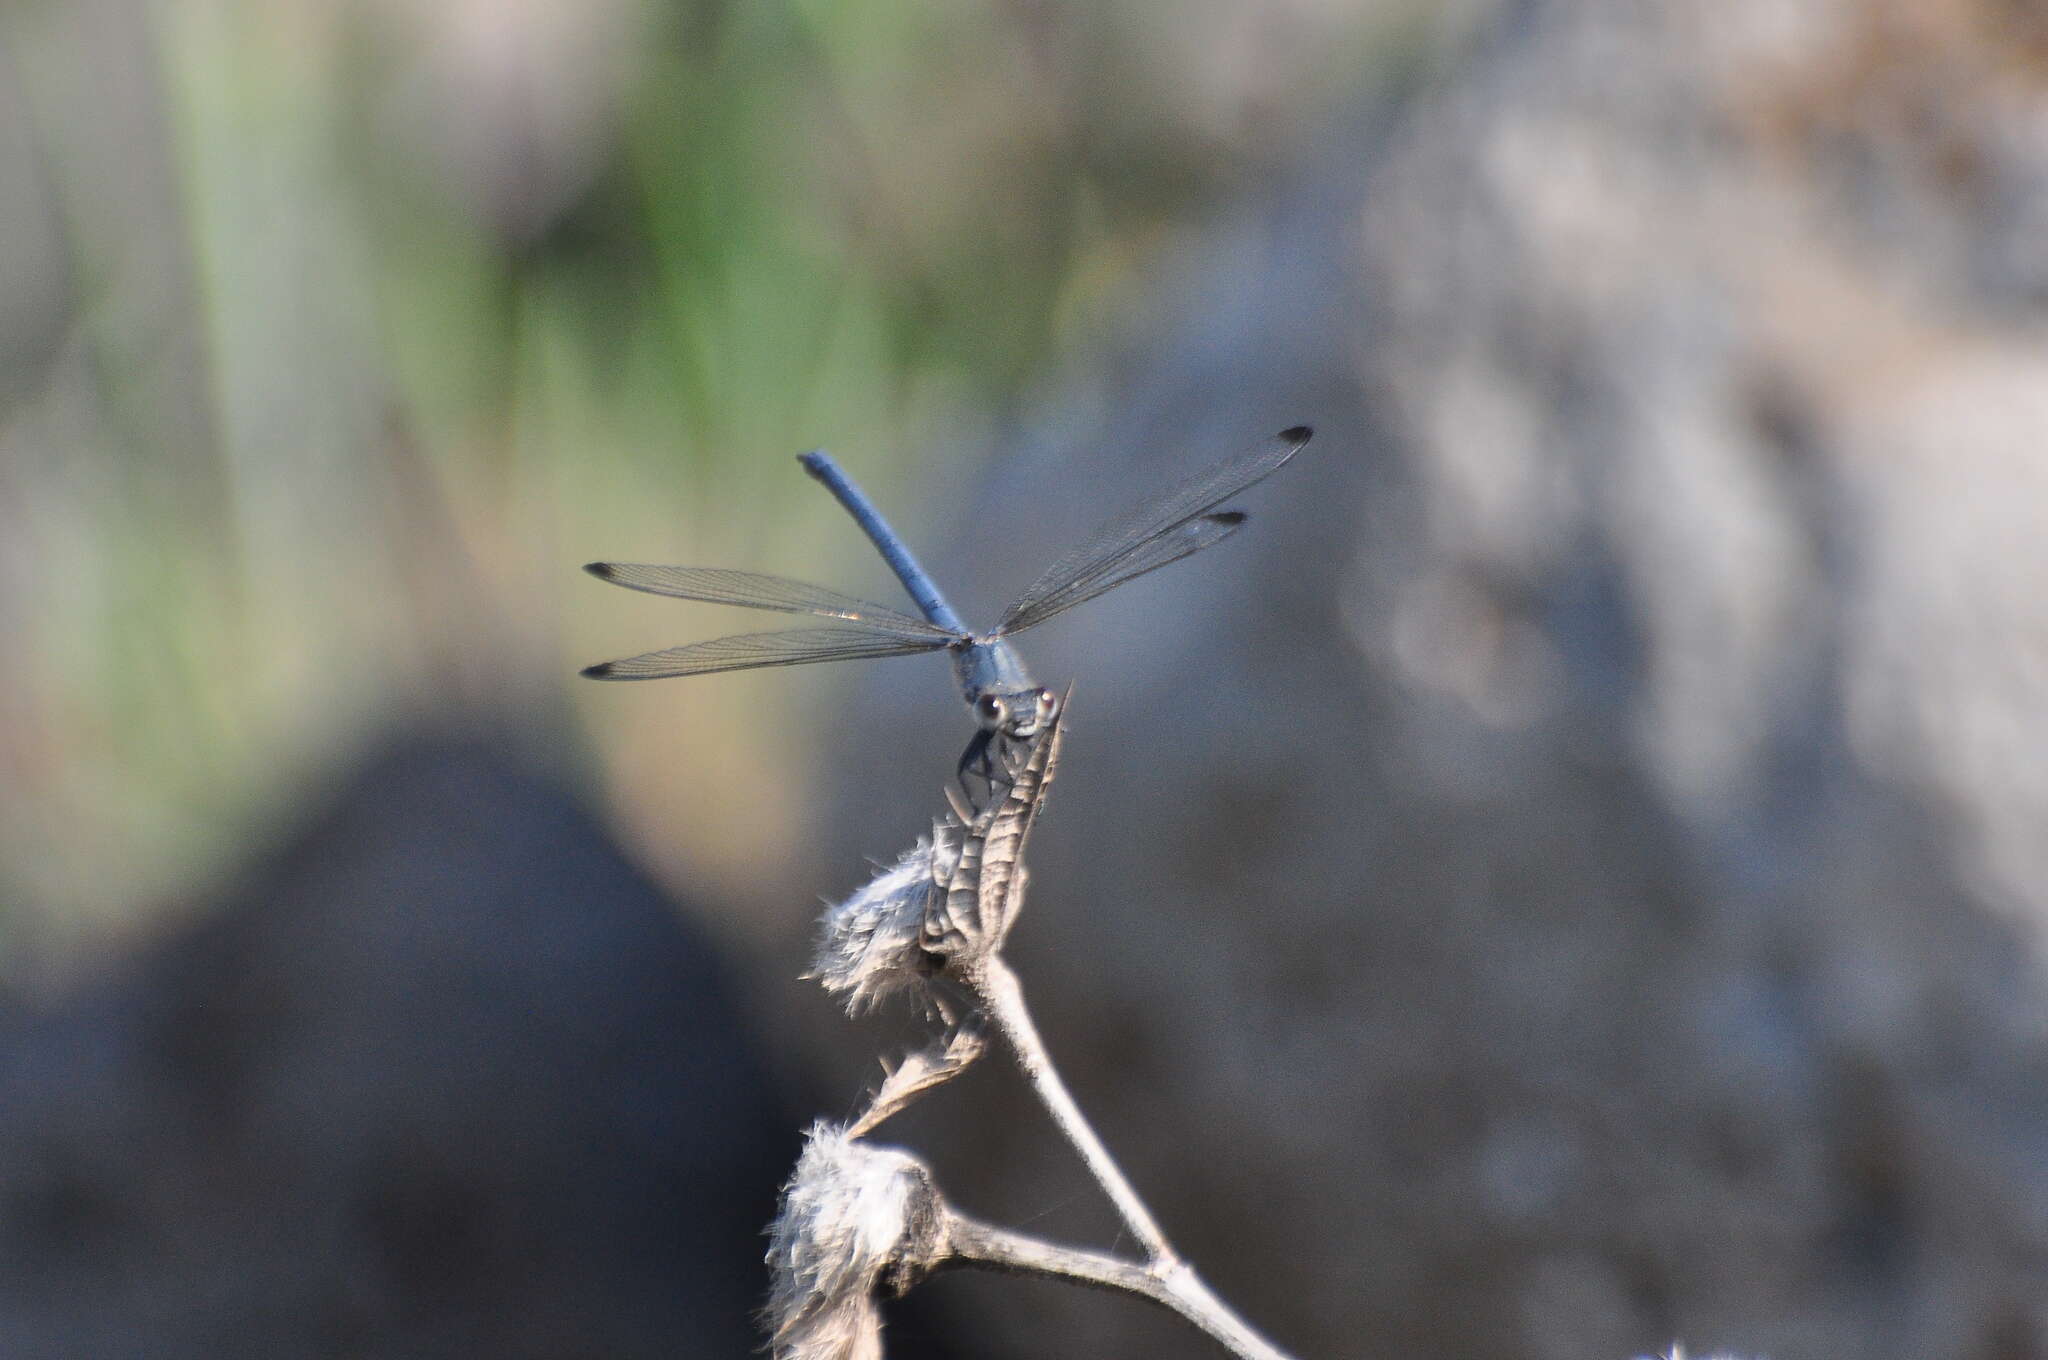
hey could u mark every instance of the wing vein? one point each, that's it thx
(754, 590)
(1077, 576)
(751, 651)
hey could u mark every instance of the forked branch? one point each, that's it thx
(859, 1219)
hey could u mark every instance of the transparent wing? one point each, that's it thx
(1150, 555)
(749, 651)
(1074, 574)
(752, 590)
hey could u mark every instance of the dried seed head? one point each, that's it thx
(855, 1219)
(869, 945)
(919, 1072)
(983, 880)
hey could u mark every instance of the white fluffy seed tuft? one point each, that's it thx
(868, 945)
(854, 1218)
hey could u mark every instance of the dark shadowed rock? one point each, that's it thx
(447, 1078)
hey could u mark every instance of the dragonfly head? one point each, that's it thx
(1016, 713)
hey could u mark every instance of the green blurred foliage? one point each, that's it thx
(338, 333)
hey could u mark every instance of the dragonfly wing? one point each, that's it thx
(1161, 550)
(750, 651)
(752, 590)
(1156, 517)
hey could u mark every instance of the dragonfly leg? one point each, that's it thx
(989, 761)
(1012, 754)
(974, 760)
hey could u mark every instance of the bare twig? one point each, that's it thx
(942, 912)
(1170, 1284)
(1003, 997)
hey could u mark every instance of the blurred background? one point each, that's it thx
(1569, 879)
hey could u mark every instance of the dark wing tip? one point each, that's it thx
(1230, 518)
(601, 671)
(603, 571)
(1297, 434)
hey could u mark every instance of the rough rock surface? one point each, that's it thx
(1576, 879)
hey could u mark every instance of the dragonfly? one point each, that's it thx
(1008, 705)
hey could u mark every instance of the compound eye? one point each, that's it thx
(1048, 702)
(991, 711)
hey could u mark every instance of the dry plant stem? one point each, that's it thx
(1163, 1277)
(1003, 998)
(1168, 1283)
